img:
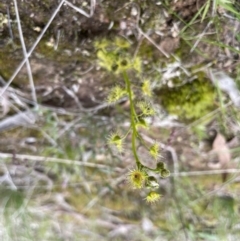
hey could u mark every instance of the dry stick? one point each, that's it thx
(52, 159)
(7, 178)
(9, 24)
(69, 184)
(200, 37)
(68, 126)
(57, 41)
(72, 95)
(32, 49)
(93, 3)
(152, 42)
(14, 95)
(45, 135)
(29, 71)
(208, 172)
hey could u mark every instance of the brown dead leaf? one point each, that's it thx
(221, 152)
(221, 149)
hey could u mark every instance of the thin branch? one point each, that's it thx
(200, 37)
(7, 178)
(9, 23)
(29, 71)
(69, 184)
(68, 126)
(93, 3)
(52, 159)
(207, 172)
(152, 42)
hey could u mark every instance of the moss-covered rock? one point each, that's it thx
(189, 101)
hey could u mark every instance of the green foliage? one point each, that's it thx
(114, 57)
(189, 101)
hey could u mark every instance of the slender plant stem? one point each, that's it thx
(132, 112)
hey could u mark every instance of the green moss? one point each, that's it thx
(8, 62)
(191, 100)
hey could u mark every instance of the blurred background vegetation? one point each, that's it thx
(59, 179)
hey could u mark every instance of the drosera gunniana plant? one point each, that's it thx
(114, 56)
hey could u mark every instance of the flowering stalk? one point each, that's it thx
(114, 57)
(133, 117)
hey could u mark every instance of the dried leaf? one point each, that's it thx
(220, 147)
(222, 152)
(5, 104)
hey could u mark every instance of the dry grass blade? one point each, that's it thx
(5, 104)
(203, 173)
(93, 3)
(29, 71)
(19, 119)
(56, 160)
(152, 42)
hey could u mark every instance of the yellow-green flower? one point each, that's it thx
(116, 140)
(102, 44)
(107, 59)
(137, 64)
(154, 151)
(153, 197)
(137, 178)
(115, 94)
(146, 88)
(122, 43)
(145, 108)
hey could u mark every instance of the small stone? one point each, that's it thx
(134, 11)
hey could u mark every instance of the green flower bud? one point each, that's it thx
(160, 166)
(142, 123)
(165, 173)
(152, 183)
